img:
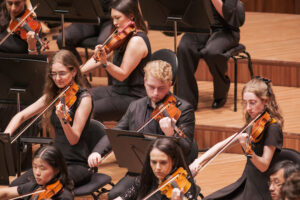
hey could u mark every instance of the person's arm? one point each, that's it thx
(8, 192)
(218, 4)
(25, 114)
(83, 111)
(135, 51)
(31, 41)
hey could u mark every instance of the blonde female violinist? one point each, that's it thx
(131, 51)
(69, 116)
(262, 143)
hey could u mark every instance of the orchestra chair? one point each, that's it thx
(168, 56)
(88, 43)
(237, 53)
(95, 186)
(289, 154)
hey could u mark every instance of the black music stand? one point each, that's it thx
(7, 165)
(178, 15)
(84, 11)
(130, 148)
(20, 75)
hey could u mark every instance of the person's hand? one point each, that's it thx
(166, 126)
(31, 41)
(100, 54)
(177, 194)
(61, 110)
(243, 138)
(94, 159)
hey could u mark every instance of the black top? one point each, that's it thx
(234, 15)
(73, 154)
(133, 85)
(133, 191)
(32, 186)
(253, 183)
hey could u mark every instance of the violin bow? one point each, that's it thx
(19, 23)
(28, 194)
(229, 142)
(34, 119)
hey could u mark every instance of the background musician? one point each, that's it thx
(228, 15)
(258, 96)
(125, 72)
(9, 11)
(164, 157)
(62, 72)
(158, 81)
(48, 167)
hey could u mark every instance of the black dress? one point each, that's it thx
(112, 101)
(75, 155)
(253, 183)
(65, 194)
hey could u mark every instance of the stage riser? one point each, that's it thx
(207, 136)
(281, 73)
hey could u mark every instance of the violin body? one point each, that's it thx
(50, 191)
(117, 39)
(257, 130)
(32, 23)
(68, 99)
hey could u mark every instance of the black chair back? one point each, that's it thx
(289, 154)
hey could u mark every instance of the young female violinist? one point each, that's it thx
(125, 72)
(50, 173)
(164, 158)
(70, 119)
(262, 143)
(10, 10)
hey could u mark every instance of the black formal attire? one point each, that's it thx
(112, 101)
(64, 194)
(225, 34)
(139, 112)
(77, 32)
(133, 191)
(253, 183)
(75, 155)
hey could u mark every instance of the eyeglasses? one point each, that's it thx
(275, 183)
(60, 74)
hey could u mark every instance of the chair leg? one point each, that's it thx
(235, 83)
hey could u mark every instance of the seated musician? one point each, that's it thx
(125, 72)
(163, 158)
(9, 11)
(50, 173)
(262, 146)
(158, 81)
(69, 118)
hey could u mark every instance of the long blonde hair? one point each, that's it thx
(262, 88)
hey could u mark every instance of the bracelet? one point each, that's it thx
(29, 50)
(104, 65)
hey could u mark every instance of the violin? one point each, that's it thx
(117, 39)
(257, 129)
(44, 193)
(68, 99)
(22, 25)
(168, 108)
(178, 179)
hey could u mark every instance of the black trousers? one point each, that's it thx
(191, 48)
(108, 105)
(77, 32)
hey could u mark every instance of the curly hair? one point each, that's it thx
(159, 69)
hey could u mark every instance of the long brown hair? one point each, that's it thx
(262, 88)
(130, 7)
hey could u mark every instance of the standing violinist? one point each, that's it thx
(258, 96)
(163, 159)
(125, 71)
(70, 135)
(158, 82)
(50, 173)
(10, 10)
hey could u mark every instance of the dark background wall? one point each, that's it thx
(277, 6)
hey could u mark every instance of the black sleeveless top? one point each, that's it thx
(73, 154)
(134, 84)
